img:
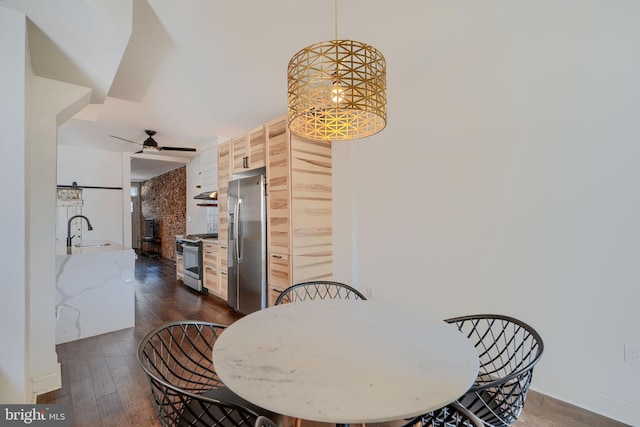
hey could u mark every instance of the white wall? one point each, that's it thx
(344, 216)
(104, 208)
(14, 384)
(196, 216)
(51, 102)
(31, 110)
(506, 182)
(202, 171)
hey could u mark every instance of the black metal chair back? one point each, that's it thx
(508, 350)
(263, 421)
(177, 358)
(452, 415)
(318, 289)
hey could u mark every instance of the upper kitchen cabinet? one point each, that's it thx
(249, 152)
(240, 156)
(278, 147)
(257, 148)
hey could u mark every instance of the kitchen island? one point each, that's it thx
(94, 290)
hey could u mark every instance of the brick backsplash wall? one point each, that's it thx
(163, 199)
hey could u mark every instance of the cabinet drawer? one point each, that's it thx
(211, 278)
(223, 284)
(210, 246)
(210, 254)
(223, 256)
(211, 260)
(279, 271)
(274, 293)
(179, 267)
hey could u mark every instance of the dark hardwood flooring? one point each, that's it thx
(104, 386)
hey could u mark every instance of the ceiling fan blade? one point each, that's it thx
(117, 137)
(178, 149)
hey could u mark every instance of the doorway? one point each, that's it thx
(135, 214)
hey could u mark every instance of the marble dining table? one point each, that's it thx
(345, 361)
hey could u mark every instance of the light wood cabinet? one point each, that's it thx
(249, 151)
(311, 210)
(240, 159)
(279, 275)
(299, 203)
(224, 175)
(278, 176)
(179, 267)
(210, 266)
(257, 148)
(299, 208)
(278, 165)
(279, 225)
(223, 282)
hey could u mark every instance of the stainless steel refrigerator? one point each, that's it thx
(247, 262)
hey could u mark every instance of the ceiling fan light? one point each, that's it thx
(337, 91)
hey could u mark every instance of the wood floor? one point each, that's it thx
(104, 386)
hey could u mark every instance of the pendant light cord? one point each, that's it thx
(336, 18)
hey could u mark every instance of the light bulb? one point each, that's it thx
(337, 94)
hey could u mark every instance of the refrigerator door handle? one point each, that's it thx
(238, 230)
(232, 227)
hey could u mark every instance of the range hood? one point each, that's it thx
(207, 195)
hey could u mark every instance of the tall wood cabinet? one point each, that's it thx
(299, 203)
(224, 175)
(299, 210)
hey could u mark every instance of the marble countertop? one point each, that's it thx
(345, 361)
(98, 246)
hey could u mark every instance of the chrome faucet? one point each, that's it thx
(69, 236)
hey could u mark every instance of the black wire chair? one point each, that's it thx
(318, 289)
(452, 415)
(508, 350)
(177, 358)
(263, 421)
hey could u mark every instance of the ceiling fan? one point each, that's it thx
(151, 144)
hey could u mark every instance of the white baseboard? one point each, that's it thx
(594, 402)
(45, 383)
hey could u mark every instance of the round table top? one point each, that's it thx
(345, 361)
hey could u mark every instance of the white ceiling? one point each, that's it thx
(197, 70)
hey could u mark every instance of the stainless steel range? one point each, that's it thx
(193, 259)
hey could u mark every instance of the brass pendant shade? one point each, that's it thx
(337, 91)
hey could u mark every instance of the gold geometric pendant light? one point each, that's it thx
(337, 90)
